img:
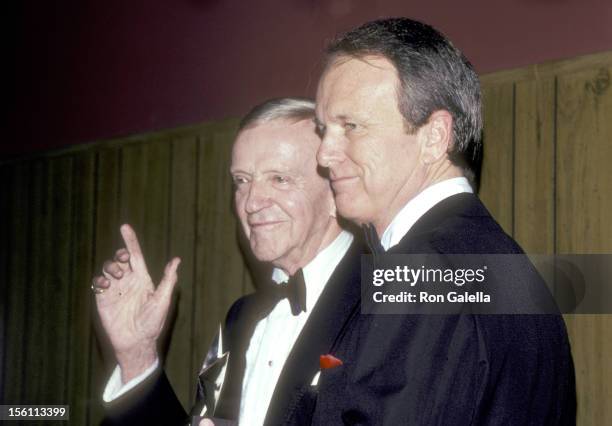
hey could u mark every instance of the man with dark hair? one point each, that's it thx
(398, 109)
(432, 74)
(261, 367)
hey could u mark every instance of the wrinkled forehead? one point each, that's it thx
(278, 141)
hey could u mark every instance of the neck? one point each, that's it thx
(433, 174)
(302, 257)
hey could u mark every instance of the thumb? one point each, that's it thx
(168, 282)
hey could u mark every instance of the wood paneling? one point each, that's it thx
(534, 165)
(496, 184)
(184, 190)
(54, 295)
(584, 203)
(19, 210)
(584, 150)
(40, 240)
(545, 177)
(557, 161)
(81, 268)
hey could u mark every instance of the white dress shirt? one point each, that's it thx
(418, 206)
(272, 340)
(115, 387)
(275, 335)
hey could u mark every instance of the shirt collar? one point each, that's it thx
(319, 269)
(419, 205)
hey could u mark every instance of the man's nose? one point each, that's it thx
(331, 150)
(257, 198)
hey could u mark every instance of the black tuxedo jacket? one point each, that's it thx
(154, 402)
(451, 369)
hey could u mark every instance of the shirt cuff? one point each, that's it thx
(115, 388)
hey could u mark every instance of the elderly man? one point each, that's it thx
(397, 108)
(273, 338)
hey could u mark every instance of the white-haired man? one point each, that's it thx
(274, 337)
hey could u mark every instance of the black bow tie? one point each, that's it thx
(294, 290)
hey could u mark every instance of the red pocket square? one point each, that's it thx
(329, 361)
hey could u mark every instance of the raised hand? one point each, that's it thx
(132, 310)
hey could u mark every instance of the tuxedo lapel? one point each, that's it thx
(327, 322)
(240, 325)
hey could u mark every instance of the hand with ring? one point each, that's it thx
(132, 310)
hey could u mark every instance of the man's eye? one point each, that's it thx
(349, 126)
(280, 179)
(239, 180)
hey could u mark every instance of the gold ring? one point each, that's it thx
(96, 289)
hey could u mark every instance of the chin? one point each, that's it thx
(265, 252)
(349, 209)
(264, 255)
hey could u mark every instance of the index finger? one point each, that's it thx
(131, 243)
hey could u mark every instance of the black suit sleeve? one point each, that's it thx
(152, 402)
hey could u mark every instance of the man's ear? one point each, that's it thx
(437, 136)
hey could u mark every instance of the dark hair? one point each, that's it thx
(292, 109)
(433, 75)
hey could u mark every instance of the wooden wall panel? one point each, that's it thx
(54, 295)
(81, 271)
(144, 199)
(19, 210)
(40, 240)
(584, 203)
(496, 187)
(156, 206)
(132, 191)
(48, 285)
(534, 165)
(584, 151)
(184, 188)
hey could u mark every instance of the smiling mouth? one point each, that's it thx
(264, 225)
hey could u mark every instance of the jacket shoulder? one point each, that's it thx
(466, 226)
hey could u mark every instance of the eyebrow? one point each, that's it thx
(340, 117)
(264, 172)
